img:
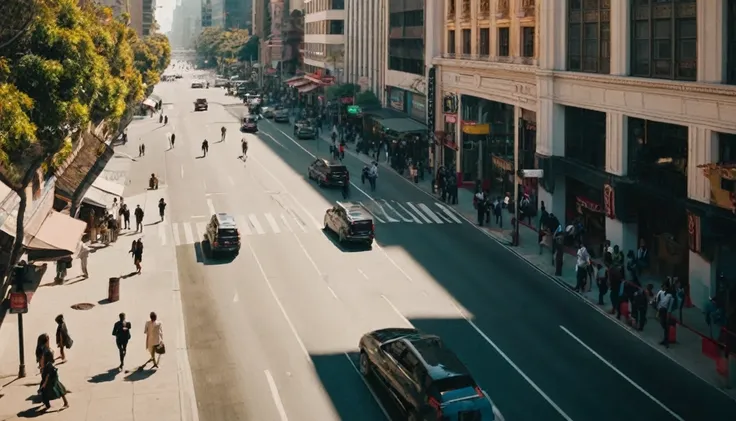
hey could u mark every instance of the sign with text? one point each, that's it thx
(18, 303)
(431, 85)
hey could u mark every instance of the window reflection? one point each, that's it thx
(658, 154)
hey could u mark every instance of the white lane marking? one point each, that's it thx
(276, 397)
(256, 225)
(362, 273)
(243, 225)
(448, 212)
(175, 233)
(272, 222)
(285, 189)
(162, 234)
(512, 364)
(396, 310)
(201, 229)
(188, 236)
(274, 139)
(332, 291)
(232, 182)
(623, 376)
(286, 223)
(211, 207)
(429, 213)
(279, 304)
(415, 209)
(200, 216)
(385, 202)
(411, 214)
(375, 217)
(236, 298)
(181, 172)
(370, 389)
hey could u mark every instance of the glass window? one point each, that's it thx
(484, 42)
(731, 44)
(527, 38)
(588, 36)
(585, 136)
(664, 34)
(503, 42)
(451, 41)
(658, 154)
(727, 148)
(467, 43)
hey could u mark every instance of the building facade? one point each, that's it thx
(148, 16)
(365, 51)
(412, 43)
(232, 14)
(324, 37)
(629, 107)
(206, 14)
(135, 8)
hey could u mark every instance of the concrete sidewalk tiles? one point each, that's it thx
(692, 337)
(98, 390)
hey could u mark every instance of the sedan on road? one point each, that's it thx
(328, 173)
(281, 116)
(305, 130)
(198, 84)
(249, 125)
(426, 379)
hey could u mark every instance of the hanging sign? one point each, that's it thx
(609, 201)
(431, 82)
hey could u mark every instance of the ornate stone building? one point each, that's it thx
(629, 107)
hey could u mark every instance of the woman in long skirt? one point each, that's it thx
(51, 387)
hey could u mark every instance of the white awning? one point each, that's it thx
(102, 193)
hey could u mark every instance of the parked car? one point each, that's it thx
(328, 173)
(425, 378)
(221, 235)
(304, 129)
(267, 112)
(351, 222)
(250, 124)
(281, 116)
(201, 104)
(198, 84)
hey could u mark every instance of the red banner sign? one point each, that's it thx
(609, 201)
(18, 303)
(451, 118)
(587, 204)
(693, 231)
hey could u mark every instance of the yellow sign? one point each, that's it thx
(478, 129)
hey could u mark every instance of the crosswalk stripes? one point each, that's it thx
(289, 221)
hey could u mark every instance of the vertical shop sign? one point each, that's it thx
(693, 231)
(609, 201)
(431, 80)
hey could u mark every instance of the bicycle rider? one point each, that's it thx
(223, 130)
(205, 147)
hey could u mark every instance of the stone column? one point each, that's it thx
(625, 235)
(552, 22)
(712, 32)
(551, 141)
(459, 135)
(620, 38)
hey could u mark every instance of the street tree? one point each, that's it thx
(367, 99)
(70, 68)
(216, 46)
(342, 90)
(250, 50)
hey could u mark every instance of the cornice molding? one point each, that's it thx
(486, 66)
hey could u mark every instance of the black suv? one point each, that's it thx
(351, 222)
(328, 173)
(426, 379)
(221, 235)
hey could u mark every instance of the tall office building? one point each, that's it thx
(206, 13)
(365, 44)
(148, 16)
(324, 37)
(135, 9)
(232, 14)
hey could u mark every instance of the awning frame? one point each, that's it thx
(309, 88)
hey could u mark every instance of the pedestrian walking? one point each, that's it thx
(173, 140)
(161, 208)
(581, 268)
(154, 332)
(63, 340)
(121, 332)
(42, 348)
(479, 202)
(346, 187)
(161, 118)
(664, 301)
(126, 216)
(166, 120)
(83, 257)
(138, 218)
(51, 387)
(136, 249)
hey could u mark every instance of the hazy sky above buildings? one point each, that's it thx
(165, 13)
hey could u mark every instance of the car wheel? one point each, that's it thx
(365, 364)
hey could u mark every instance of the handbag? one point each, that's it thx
(68, 342)
(160, 349)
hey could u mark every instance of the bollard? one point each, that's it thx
(113, 290)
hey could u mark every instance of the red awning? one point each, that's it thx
(308, 88)
(293, 79)
(297, 81)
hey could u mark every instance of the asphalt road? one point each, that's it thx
(272, 333)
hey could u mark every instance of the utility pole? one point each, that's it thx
(515, 227)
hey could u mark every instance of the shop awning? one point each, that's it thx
(102, 193)
(308, 88)
(402, 125)
(296, 81)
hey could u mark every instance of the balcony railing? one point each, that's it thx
(529, 61)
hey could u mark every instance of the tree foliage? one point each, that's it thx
(250, 50)
(367, 99)
(214, 45)
(342, 90)
(152, 56)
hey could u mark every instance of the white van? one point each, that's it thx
(220, 82)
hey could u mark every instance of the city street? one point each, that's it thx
(272, 333)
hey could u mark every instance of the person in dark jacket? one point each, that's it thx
(121, 332)
(63, 340)
(51, 387)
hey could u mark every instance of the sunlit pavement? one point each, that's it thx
(271, 333)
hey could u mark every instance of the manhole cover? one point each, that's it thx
(82, 306)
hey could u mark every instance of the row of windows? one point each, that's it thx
(316, 6)
(484, 42)
(403, 19)
(325, 27)
(406, 65)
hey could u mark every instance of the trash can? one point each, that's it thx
(113, 290)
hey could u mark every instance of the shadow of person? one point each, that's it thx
(139, 374)
(105, 377)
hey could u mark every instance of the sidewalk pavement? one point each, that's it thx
(98, 390)
(689, 349)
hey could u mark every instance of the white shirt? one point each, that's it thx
(374, 171)
(154, 333)
(664, 300)
(506, 200)
(583, 257)
(83, 251)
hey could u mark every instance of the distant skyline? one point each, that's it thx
(165, 13)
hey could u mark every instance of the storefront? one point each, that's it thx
(412, 104)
